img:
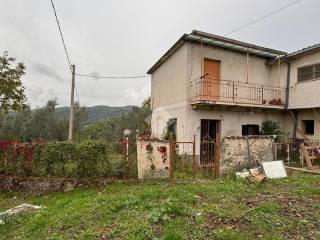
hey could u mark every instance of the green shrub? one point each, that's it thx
(83, 160)
(270, 127)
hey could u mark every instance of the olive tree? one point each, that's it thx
(12, 95)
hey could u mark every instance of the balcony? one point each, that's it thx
(206, 91)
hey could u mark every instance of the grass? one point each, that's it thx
(207, 209)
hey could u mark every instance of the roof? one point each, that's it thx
(303, 51)
(218, 41)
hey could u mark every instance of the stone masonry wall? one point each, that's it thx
(153, 159)
(235, 152)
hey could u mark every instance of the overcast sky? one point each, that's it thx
(125, 37)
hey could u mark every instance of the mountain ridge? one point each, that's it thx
(97, 113)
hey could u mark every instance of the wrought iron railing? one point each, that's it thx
(219, 90)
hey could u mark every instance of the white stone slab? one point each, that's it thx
(274, 169)
(19, 209)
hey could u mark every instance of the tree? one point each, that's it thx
(112, 129)
(12, 95)
(44, 123)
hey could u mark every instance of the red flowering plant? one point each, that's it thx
(163, 151)
(18, 157)
(4, 144)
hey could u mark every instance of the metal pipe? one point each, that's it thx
(288, 85)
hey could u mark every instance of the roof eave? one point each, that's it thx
(186, 38)
(236, 42)
(303, 52)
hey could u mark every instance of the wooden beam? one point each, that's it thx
(306, 156)
(298, 129)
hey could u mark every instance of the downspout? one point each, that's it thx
(288, 85)
(295, 113)
(295, 124)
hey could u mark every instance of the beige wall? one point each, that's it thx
(161, 115)
(168, 82)
(304, 94)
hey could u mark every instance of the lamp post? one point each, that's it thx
(126, 133)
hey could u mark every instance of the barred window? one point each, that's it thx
(308, 72)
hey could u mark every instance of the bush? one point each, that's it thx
(64, 159)
(269, 127)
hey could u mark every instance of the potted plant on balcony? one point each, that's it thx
(275, 102)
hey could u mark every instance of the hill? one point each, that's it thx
(97, 113)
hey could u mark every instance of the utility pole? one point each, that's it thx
(73, 70)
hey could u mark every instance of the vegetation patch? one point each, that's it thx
(87, 159)
(208, 209)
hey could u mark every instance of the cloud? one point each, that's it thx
(47, 71)
(130, 45)
(138, 93)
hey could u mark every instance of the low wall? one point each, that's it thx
(238, 153)
(35, 184)
(153, 159)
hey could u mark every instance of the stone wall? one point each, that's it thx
(35, 184)
(238, 153)
(153, 159)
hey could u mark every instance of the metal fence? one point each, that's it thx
(184, 160)
(206, 89)
(288, 150)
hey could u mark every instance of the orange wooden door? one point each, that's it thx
(211, 85)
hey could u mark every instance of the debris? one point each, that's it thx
(256, 176)
(274, 169)
(255, 170)
(243, 174)
(17, 210)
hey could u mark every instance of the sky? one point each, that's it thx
(126, 37)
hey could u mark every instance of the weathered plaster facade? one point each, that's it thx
(171, 88)
(152, 163)
(238, 153)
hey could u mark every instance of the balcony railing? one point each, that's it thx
(206, 91)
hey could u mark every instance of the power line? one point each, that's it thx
(63, 42)
(261, 18)
(112, 77)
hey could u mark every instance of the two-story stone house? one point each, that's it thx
(206, 84)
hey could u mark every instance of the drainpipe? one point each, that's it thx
(288, 84)
(295, 124)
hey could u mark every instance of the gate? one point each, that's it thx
(207, 156)
(185, 160)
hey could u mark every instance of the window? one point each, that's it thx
(308, 72)
(308, 127)
(250, 129)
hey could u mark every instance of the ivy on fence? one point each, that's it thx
(63, 159)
